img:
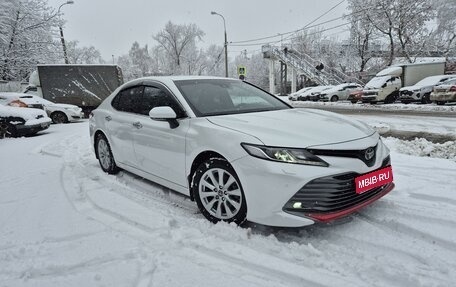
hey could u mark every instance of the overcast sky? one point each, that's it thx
(113, 25)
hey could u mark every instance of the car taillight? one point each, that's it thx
(453, 89)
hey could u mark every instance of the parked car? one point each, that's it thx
(340, 92)
(59, 113)
(313, 94)
(445, 92)
(240, 152)
(294, 96)
(16, 121)
(421, 91)
(355, 96)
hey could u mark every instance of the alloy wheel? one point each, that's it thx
(220, 193)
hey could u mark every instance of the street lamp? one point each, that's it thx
(62, 39)
(226, 43)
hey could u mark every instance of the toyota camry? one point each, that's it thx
(239, 152)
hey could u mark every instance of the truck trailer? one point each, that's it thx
(85, 86)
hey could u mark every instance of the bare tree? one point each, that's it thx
(175, 39)
(362, 33)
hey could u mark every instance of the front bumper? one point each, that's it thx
(29, 129)
(269, 186)
(74, 116)
(369, 98)
(409, 96)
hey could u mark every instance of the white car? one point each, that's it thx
(59, 113)
(16, 121)
(340, 92)
(421, 91)
(239, 152)
(294, 96)
(445, 92)
(314, 93)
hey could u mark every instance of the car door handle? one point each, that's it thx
(137, 125)
(108, 118)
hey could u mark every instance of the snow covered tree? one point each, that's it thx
(175, 39)
(83, 55)
(444, 37)
(27, 33)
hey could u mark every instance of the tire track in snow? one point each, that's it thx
(413, 233)
(86, 205)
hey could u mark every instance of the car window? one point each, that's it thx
(127, 100)
(156, 97)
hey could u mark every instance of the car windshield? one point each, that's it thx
(210, 97)
(377, 82)
(449, 82)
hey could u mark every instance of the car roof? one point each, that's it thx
(171, 79)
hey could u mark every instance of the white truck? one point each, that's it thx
(384, 87)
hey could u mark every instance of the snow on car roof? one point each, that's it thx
(433, 80)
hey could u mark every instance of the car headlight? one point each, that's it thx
(288, 155)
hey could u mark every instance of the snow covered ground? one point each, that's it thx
(379, 107)
(64, 222)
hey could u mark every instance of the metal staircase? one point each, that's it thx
(306, 65)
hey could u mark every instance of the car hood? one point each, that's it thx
(25, 113)
(295, 127)
(64, 106)
(412, 88)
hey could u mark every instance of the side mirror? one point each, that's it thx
(164, 114)
(384, 85)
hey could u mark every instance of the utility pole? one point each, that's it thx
(62, 39)
(226, 43)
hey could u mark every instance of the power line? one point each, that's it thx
(307, 26)
(296, 37)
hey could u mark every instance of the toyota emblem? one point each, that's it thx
(369, 153)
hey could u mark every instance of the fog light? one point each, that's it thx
(297, 205)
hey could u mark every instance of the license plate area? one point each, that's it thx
(373, 179)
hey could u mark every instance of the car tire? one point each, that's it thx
(105, 156)
(59, 118)
(440, 103)
(334, 98)
(218, 192)
(353, 101)
(426, 98)
(7, 130)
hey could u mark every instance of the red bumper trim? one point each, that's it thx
(325, 217)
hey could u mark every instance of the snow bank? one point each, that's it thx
(422, 147)
(389, 107)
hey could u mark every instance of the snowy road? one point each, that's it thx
(64, 222)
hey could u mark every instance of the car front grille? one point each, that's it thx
(330, 194)
(359, 154)
(406, 93)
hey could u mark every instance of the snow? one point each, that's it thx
(64, 222)
(27, 114)
(377, 82)
(379, 107)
